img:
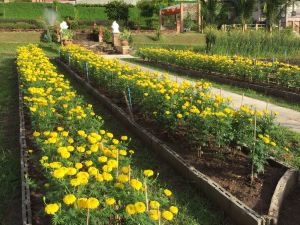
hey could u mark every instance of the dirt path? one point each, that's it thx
(286, 117)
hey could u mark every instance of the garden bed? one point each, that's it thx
(276, 91)
(190, 165)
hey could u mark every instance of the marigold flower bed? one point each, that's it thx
(89, 173)
(276, 73)
(181, 110)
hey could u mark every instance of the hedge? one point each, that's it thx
(83, 12)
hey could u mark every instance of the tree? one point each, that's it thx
(243, 10)
(210, 11)
(273, 9)
(117, 10)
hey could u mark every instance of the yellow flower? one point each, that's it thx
(78, 165)
(140, 207)
(148, 173)
(154, 204)
(81, 203)
(179, 116)
(92, 203)
(124, 138)
(36, 134)
(110, 201)
(174, 209)
(154, 214)
(273, 143)
(136, 184)
(51, 208)
(69, 199)
(122, 178)
(130, 209)
(102, 159)
(167, 215)
(146, 94)
(115, 141)
(167, 192)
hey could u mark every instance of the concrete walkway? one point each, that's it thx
(286, 117)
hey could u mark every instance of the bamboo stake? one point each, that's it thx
(88, 216)
(146, 195)
(254, 144)
(128, 106)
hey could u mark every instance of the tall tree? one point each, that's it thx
(211, 10)
(243, 9)
(273, 9)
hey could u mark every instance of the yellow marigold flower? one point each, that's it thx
(140, 207)
(125, 169)
(154, 204)
(179, 115)
(78, 165)
(136, 184)
(65, 134)
(88, 163)
(146, 94)
(69, 199)
(102, 159)
(71, 171)
(273, 143)
(119, 185)
(81, 203)
(110, 135)
(167, 215)
(123, 152)
(75, 182)
(51, 209)
(167, 192)
(81, 133)
(92, 203)
(110, 201)
(59, 173)
(107, 176)
(154, 214)
(174, 209)
(60, 128)
(122, 178)
(148, 173)
(115, 141)
(130, 209)
(71, 140)
(124, 138)
(36, 134)
(131, 152)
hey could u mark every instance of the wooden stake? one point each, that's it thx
(128, 106)
(146, 195)
(254, 143)
(242, 100)
(88, 216)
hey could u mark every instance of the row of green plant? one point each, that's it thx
(89, 174)
(257, 44)
(236, 67)
(189, 112)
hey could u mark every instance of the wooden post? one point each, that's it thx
(181, 18)
(160, 20)
(199, 16)
(256, 26)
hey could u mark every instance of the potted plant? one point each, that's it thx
(125, 37)
(67, 36)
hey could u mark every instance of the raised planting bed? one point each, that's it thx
(225, 182)
(26, 200)
(276, 79)
(267, 89)
(84, 174)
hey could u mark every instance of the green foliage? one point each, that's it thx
(188, 22)
(107, 36)
(117, 10)
(67, 34)
(259, 44)
(210, 38)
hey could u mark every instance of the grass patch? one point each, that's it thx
(190, 40)
(247, 92)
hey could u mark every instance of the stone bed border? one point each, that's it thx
(220, 78)
(26, 202)
(236, 209)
